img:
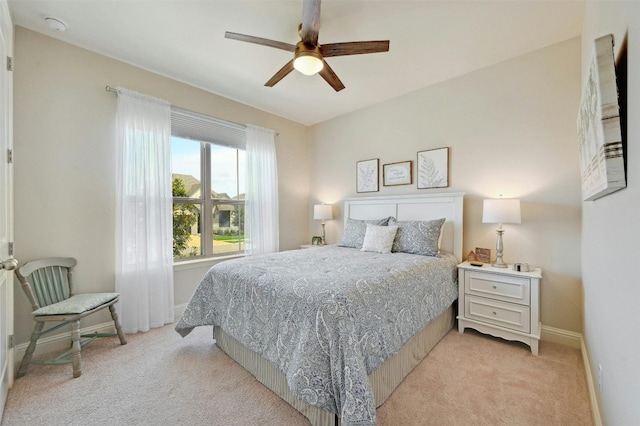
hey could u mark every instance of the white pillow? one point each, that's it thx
(354, 231)
(379, 239)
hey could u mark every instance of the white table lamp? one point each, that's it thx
(322, 212)
(502, 210)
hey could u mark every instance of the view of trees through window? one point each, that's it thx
(208, 213)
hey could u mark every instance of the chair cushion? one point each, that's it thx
(76, 304)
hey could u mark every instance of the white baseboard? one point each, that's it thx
(563, 337)
(178, 310)
(575, 340)
(60, 341)
(591, 386)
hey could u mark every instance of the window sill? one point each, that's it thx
(206, 262)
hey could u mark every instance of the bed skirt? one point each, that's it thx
(383, 380)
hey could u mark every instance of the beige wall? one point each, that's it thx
(610, 229)
(65, 160)
(511, 130)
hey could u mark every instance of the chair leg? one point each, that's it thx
(75, 349)
(28, 355)
(114, 315)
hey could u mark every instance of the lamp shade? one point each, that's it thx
(322, 211)
(502, 210)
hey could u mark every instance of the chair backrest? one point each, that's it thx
(47, 281)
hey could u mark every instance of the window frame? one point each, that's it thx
(206, 139)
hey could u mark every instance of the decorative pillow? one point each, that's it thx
(379, 239)
(354, 231)
(440, 237)
(417, 237)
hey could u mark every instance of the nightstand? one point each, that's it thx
(500, 302)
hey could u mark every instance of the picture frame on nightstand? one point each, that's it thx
(483, 255)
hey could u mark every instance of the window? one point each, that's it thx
(208, 185)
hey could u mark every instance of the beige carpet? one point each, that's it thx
(161, 379)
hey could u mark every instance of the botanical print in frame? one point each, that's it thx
(599, 129)
(397, 173)
(433, 168)
(367, 175)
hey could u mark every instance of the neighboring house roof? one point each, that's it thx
(192, 185)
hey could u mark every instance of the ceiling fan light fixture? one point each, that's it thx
(307, 60)
(308, 64)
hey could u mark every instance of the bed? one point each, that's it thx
(333, 330)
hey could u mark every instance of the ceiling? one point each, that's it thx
(431, 41)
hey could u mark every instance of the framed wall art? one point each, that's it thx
(397, 173)
(433, 168)
(599, 131)
(367, 175)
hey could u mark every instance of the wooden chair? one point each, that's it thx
(48, 285)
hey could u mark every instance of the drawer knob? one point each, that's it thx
(494, 313)
(494, 287)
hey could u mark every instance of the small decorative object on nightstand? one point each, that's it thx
(500, 302)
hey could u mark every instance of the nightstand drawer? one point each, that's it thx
(502, 287)
(509, 315)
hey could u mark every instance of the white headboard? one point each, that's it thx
(415, 207)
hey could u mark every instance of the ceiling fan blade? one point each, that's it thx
(262, 41)
(310, 22)
(354, 48)
(282, 73)
(331, 77)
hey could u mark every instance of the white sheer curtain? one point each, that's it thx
(144, 232)
(261, 202)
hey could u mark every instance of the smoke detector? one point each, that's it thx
(55, 24)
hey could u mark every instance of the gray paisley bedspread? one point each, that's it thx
(327, 316)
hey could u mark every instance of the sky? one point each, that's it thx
(185, 159)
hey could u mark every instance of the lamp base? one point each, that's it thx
(324, 241)
(499, 263)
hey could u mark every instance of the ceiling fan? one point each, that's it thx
(308, 55)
